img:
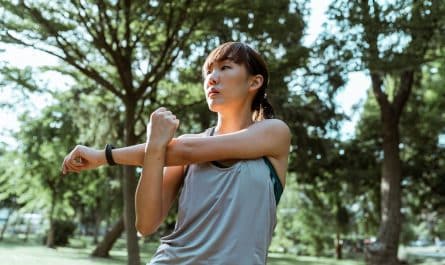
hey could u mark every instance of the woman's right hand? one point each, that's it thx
(83, 158)
(162, 127)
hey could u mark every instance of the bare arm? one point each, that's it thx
(152, 197)
(266, 138)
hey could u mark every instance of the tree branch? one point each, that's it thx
(172, 41)
(382, 97)
(98, 38)
(403, 92)
(127, 10)
(66, 46)
(168, 42)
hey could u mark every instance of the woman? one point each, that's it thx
(232, 175)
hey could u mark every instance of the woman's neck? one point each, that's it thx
(233, 122)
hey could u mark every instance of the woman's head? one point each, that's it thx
(241, 74)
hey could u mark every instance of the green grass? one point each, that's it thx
(286, 259)
(15, 252)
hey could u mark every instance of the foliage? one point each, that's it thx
(126, 59)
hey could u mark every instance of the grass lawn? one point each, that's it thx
(15, 252)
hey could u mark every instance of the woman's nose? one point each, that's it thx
(213, 77)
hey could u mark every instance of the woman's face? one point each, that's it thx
(226, 86)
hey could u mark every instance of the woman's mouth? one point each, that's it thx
(212, 92)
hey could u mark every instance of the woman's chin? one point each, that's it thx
(214, 107)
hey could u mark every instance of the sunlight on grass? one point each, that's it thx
(282, 259)
(16, 252)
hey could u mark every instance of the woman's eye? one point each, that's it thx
(225, 67)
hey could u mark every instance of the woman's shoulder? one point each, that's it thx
(275, 126)
(196, 135)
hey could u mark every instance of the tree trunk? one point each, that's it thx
(97, 220)
(103, 249)
(5, 225)
(50, 239)
(129, 189)
(28, 228)
(384, 250)
(338, 246)
(96, 229)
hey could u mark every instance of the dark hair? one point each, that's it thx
(242, 54)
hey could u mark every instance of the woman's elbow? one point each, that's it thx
(146, 229)
(147, 225)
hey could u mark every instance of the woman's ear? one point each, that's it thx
(255, 82)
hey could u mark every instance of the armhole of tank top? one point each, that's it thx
(186, 170)
(276, 182)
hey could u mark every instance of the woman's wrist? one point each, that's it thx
(155, 145)
(101, 158)
(154, 152)
(108, 154)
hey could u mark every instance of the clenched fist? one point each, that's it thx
(162, 127)
(83, 158)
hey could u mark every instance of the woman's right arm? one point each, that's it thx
(156, 188)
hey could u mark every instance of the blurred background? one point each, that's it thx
(361, 84)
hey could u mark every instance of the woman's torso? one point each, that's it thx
(225, 216)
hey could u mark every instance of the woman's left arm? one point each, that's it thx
(266, 138)
(269, 137)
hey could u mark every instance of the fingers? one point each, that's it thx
(176, 121)
(68, 166)
(161, 110)
(163, 114)
(71, 166)
(73, 162)
(162, 127)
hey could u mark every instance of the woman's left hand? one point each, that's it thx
(83, 158)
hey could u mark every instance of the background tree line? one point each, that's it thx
(126, 58)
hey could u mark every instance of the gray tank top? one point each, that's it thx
(226, 216)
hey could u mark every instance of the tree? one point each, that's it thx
(103, 125)
(420, 153)
(8, 196)
(128, 47)
(42, 141)
(421, 128)
(110, 42)
(388, 40)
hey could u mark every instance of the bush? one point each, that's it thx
(63, 230)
